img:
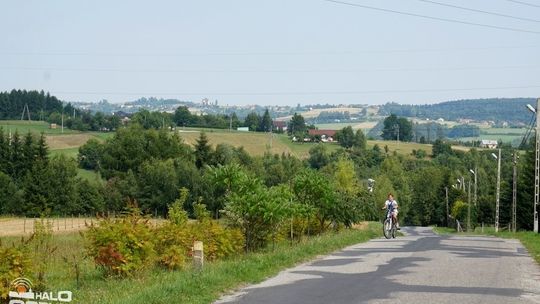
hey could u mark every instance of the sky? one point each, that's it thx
(272, 52)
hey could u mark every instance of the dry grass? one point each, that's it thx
(253, 143)
(57, 142)
(25, 226)
(315, 112)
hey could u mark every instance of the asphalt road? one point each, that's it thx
(421, 267)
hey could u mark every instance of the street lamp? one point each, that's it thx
(536, 163)
(498, 158)
(475, 185)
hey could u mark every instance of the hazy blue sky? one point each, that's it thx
(268, 52)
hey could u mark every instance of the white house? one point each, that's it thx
(488, 143)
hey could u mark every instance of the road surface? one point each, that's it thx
(421, 267)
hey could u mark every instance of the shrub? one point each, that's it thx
(121, 246)
(14, 263)
(176, 240)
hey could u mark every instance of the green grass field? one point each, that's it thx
(507, 135)
(187, 286)
(23, 126)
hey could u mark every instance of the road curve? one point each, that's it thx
(421, 267)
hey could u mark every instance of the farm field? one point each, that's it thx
(316, 112)
(365, 126)
(23, 126)
(16, 226)
(507, 135)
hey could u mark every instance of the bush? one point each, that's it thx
(14, 263)
(121, 246)
(176, 240)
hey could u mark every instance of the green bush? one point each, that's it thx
(14, 263)
(176, 240)
(121, 246)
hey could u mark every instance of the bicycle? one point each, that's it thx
(389, 226)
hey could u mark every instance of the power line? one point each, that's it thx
(427, 69)
(283, 53)
(480, 11)
(433, 18)
(524, 3)
(527, 134)
(293, 93)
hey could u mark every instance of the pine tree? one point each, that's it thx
(202, 151)
(16, 160)
(266, 122)
(42, 150)
(4, 151)
(28, 153)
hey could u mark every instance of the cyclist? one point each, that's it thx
(392, 206)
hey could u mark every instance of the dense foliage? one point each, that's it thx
(490, 109)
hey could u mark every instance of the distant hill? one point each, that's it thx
(511, 110)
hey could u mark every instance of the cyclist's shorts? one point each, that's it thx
(395, 212)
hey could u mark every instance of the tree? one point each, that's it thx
(202, 151)
(345, 137)
(11, 198)
(312, 189)
(394, 126)
(441, 148)
(318, 156)
(157, 185)
(182, 116)
(253, 121)
(90, 155)
(360, 140)
(297, 125)
(266, 122)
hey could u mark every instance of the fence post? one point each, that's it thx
(24, 225)
(198, 255)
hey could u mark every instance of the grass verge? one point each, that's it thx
(529, 239)
(190, 286)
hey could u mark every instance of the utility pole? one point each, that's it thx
(497, 202)
(514, 193)
(397, 126)
(475, 185)
(536, 166)
(447, 214)
(469, 207)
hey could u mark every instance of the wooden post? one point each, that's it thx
(198, 255)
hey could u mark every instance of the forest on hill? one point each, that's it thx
(510, 110)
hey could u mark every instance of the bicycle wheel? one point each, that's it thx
(387, 227)
(394, 228)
